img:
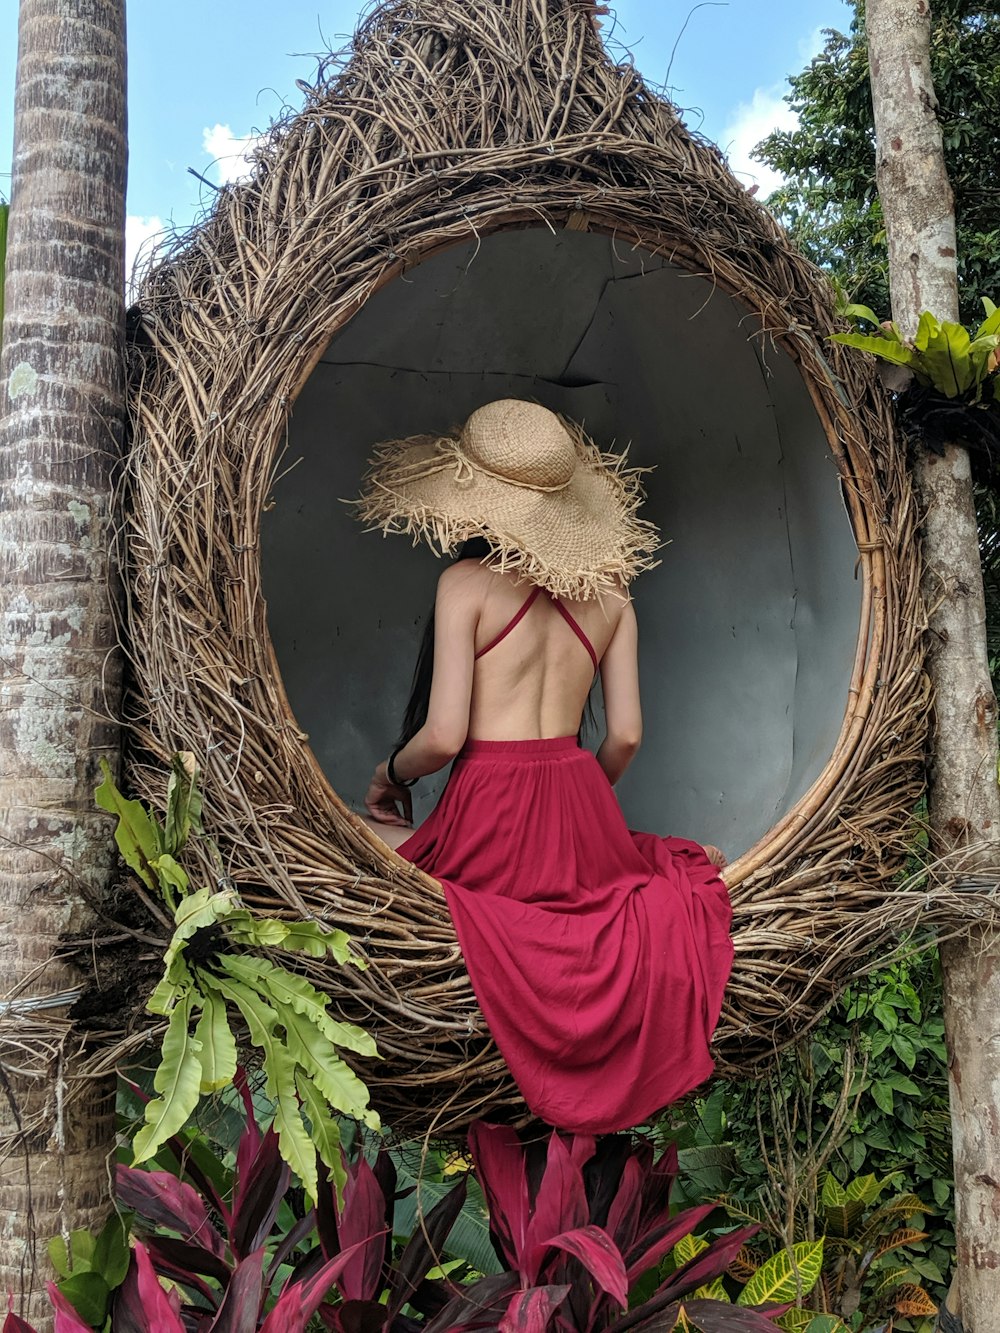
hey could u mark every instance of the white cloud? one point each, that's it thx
(750, 123)
(138, 230)
(230, 152)
(812, 45)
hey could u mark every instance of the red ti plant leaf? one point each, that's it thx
(659, 1183)
(479, 1305)
(251, 1136)
(164, 1201)
(355, 1317)
(530, 1311)
(260, 1184)
(623, 1215)
(560, 1207)
(141, 1305)
(241, 1305)
(603, 1170)
(66, 1318)
(299, 1300)
(707, 1265)
(720, 1317)
(652, 1245)
(361, 1228)
(599, 1255)
(187, 1264)
(14, 1323)
(499, 1158)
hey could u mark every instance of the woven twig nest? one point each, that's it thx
(451, 120)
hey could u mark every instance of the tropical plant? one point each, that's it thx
(865, 1097)
(583, 1233)
(217, 959)
(91, 1268)
(941, 355)
(851, 1280)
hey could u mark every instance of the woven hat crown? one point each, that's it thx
(520, 442)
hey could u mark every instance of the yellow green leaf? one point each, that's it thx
(295, 992)
(294, 1143)
(887, 348)
(137, 832)
(799, 1321)
(312, 938)
(218, 1045)
(168, 872)
(177, 1080)
(687, 1248)
(785, 1276)
(323, 1131)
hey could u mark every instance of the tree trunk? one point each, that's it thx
(61, 413)
(964, 798)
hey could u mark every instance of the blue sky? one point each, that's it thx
(204, 75)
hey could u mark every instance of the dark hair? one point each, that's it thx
(415, 714)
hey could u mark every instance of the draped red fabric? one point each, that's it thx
(599, 956)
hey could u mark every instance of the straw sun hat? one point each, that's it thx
(553, 508)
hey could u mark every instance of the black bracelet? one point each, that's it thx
(390, 771)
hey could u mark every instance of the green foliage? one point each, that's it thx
(90, 1268)
(848, 1140)
(829, 202)
(786, 1276)
(941, 355)
(216, 971)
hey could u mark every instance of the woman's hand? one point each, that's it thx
(383, 797)
(717, 857)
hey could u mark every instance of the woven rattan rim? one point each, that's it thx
(453, 120)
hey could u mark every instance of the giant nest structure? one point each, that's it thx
(447, 122)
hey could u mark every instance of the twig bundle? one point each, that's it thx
(451, 119)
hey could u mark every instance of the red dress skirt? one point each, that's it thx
(599, 956)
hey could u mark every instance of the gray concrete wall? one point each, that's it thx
(749, 626)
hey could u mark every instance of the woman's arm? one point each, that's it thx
(456, 615)
(622, 709)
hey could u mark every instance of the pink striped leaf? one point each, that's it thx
(560, 1206)
(141, 1304)
(530, 1311)
(241, 1305)
(599, 1255)
(499, 1158)
(299, 1301)
(160, 1198)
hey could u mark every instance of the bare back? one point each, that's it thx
(534, 683)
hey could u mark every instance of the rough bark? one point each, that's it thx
(964, 800)
(61, 410)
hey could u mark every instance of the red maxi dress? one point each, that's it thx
(599, 956)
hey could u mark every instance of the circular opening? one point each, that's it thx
(749, 627)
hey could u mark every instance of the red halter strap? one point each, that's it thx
(525, 607)
(577, 631)
(511, 624)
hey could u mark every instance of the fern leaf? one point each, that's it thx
(218, 1045)
(177, 1080)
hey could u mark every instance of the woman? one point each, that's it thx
(599, 957)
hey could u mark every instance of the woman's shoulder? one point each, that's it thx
(465, 579)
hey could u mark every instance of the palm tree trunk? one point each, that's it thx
(61, 413)
(963, 796)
